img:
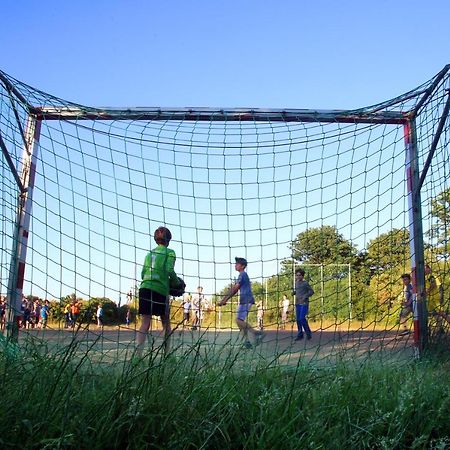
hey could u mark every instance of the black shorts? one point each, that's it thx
(152, 303)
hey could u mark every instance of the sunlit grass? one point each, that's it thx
(200, 399)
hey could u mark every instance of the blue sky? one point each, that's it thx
(292, 54)
(276, 54)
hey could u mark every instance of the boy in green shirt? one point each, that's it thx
(158, 275)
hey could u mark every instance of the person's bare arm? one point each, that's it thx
(233, 290)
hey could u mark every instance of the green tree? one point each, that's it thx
(389, 250)
(440, 230)
(218, 295)
(110, 310)
(386, 287)
(322, 245)
(388, 257)
(259, 291)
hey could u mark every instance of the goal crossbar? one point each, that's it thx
(220, 115)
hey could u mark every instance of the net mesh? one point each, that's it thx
(284, 189)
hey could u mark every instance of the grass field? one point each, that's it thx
(328, 345)
(65, 390)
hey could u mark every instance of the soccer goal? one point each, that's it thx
(84, 188)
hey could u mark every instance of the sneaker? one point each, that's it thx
(404, 333)
(299, 337)
(247, 345)
(308, 336)
(259, 335)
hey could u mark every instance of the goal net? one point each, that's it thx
(84, 188)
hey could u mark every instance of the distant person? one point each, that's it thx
(45, 311)
(99, 315)
(435, 296)
(75, 310)
(67, 319)
(186, 308)
(285, 303)
(27, 315)
(303, 291)
(2, 314)
(128, 317)
(37, 311)
(260, 315)
(21, 318)
(197, 300)
(407, 303)
(246, 300)
(33, 319)
(158, 274)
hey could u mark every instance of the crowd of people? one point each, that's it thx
(33, 313)
(195, 305)
(72, 313)
(36, 313)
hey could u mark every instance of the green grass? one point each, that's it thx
(232, 400)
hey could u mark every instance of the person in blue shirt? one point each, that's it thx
(246, 300)
(45, 310)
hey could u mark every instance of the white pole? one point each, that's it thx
(350, 291)
(23, 219)
(321, 291)
(265, 307)
(293, 276)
